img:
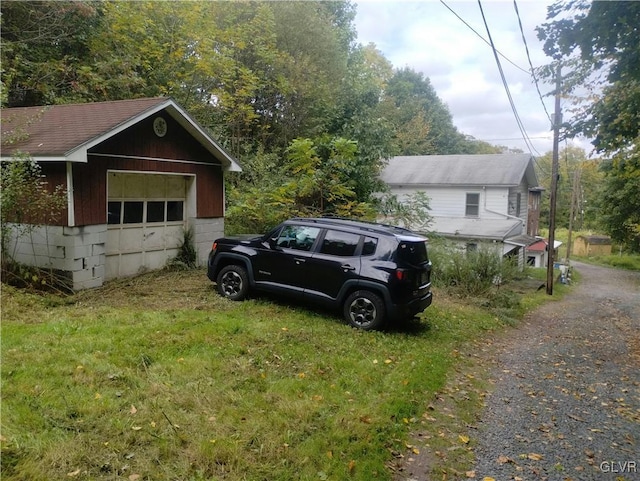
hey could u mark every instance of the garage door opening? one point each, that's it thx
(146, 219)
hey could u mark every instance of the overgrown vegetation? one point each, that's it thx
(187, 257)
(27, 202)
(474, 273)
(157, 377)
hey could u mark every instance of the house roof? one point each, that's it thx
(460, 170)
(596, 239)
(66, 132)
(481, 229)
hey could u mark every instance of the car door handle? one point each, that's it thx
(299, 261)
(347, 267)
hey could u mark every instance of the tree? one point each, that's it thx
(423, 123)
(45, 50)
(601, 44)
(586, 190)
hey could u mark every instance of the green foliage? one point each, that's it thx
(619, 261)
(318, 178)
(422, 122)
(44, 51)
(26, 199)
(411, 212)
(579, 178)
(473, 273)
(600, 48)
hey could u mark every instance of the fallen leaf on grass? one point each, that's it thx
(470, 474)
(133, 409)
(73, 473)
(352, 465)
(464, 439)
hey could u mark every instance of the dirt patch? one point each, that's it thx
(160, 290)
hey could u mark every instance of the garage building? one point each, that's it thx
(138, 174)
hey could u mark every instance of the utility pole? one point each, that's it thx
(557, 120)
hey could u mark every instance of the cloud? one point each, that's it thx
(429, 38)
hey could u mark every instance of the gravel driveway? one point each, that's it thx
(566, 403)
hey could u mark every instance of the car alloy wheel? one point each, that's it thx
(233, 282)
(364, 310)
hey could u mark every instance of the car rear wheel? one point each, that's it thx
(364, 310)
(233, 282)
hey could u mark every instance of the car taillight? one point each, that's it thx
(214, 246)
(401, 274)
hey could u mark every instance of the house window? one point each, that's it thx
(518, 204)
(472, 208)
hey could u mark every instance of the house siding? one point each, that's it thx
(450, 201)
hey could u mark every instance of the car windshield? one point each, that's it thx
(414, 253)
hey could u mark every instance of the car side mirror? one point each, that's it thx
(273, 243)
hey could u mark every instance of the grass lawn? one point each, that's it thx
(157, 377)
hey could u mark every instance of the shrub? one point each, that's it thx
(470, 273)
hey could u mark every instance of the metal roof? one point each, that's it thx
(66, 132)
(460, 170)
(467, 228)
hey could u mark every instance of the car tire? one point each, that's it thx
(364, 310)
(233, 282)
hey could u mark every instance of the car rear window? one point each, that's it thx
(414, 253)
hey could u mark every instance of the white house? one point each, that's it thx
(474, 199)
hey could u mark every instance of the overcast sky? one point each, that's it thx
(427, 37)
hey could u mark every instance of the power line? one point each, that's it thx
(533, 73)
(525, 136)
(482, 38)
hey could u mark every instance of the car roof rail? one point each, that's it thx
(359, 224)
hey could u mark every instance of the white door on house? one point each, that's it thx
(145, 221)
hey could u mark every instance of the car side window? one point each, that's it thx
(297, 237)
(369, 246)
(337, 243)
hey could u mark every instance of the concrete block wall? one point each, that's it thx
(205, 232)
(78, 251)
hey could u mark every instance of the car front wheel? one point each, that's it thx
(364, 310)
(233, 282)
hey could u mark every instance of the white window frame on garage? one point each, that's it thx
(145, 211)
(189, 206)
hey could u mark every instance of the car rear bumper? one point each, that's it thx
(405, 311)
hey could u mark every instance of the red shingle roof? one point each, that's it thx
(57, 129)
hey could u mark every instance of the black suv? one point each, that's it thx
(372, 272)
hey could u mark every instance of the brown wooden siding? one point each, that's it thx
(140, 141)
(140, 145)
(90, 185)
